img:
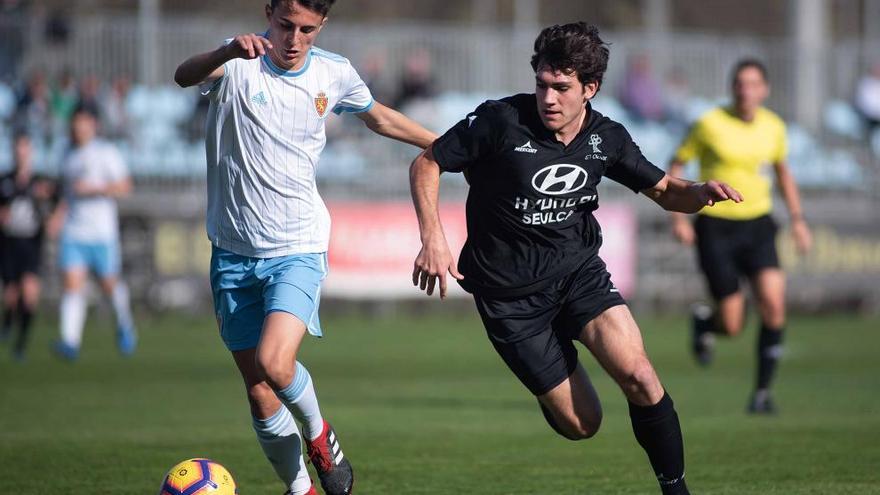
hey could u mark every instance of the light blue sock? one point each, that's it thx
(280, 440)
(300, 398)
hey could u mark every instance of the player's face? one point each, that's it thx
(83, 128)
(749, 89)
(561, 98)
(292, 31)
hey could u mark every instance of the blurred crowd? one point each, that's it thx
(160, 129)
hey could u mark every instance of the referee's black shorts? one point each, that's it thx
(534, 334)
(731, 249)
(19, 256)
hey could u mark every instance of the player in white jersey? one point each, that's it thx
(270, 95)
(94, 176)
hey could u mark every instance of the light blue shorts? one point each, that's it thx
(247, 289)
(102, 258)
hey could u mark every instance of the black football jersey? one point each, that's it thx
(531, 198)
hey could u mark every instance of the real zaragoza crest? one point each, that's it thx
(321, 103)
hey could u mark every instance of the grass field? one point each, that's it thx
(423, 406)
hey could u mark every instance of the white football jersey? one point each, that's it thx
(265, 134)
(92, 219)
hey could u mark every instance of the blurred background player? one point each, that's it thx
(534, 162)
(94, 176)
(25, 203)
(734, 144)
(269, 227)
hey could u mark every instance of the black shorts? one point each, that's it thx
(731, 249)
(534, 334)
(19, 256)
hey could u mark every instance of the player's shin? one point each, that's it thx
(280, 440)
(300, 399)
(73, 315)
(658, 431)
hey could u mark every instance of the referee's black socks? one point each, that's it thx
(658, 432)
(769, 352)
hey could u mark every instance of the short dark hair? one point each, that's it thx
(320, 6)
(748, 63)
(20, 134)
(574, 47)
(86, 108)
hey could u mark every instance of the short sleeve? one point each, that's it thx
(356, 96)
(116, 168)
(781, 145)
(631, 168)
(690, 146)
(471, 139)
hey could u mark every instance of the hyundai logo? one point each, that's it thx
(559, 179)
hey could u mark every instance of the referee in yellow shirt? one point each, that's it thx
(736, 145)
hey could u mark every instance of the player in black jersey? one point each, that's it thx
(25, 201)
(533, 162)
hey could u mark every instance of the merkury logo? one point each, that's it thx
(559, 179)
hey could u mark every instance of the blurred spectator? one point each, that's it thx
(64, 97)
(34, 111)
(90, 92)
(867, 99)
(114, 113)
(371, 72)
(640, 92)
(417, 81)
(676, 98)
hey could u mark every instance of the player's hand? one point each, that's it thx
(684, 232)
(248, 46)
(712, 192)
(432, 263)
(803, 238)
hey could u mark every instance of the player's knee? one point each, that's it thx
(774, 314)
(641, 382)
(577, 428)
(278, 374)
(730, 326)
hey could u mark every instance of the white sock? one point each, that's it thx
(121, 307)
(73, 317)
(280, 440)
(300, 398)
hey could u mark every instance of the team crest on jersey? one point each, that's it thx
(321, 103)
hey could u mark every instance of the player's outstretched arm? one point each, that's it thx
(434, 259)
(390, 123)
(681, 227)
(684, 196)
(208, 67)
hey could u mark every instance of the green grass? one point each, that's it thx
(424, 406)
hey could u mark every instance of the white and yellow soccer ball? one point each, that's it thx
(198, 477)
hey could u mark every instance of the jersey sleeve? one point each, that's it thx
(689, 149)
(631, 168)
(356, 96)
(781, 145)
(116, 167)
(471, 139)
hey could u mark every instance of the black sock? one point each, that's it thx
(658, 432)
(8, 313)
(25, 317)
(769, 351)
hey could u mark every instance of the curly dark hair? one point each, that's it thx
(320, 6)
(572, 48)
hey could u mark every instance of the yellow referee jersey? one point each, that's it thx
(739, 153)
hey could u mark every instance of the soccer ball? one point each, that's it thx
(198, 477)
